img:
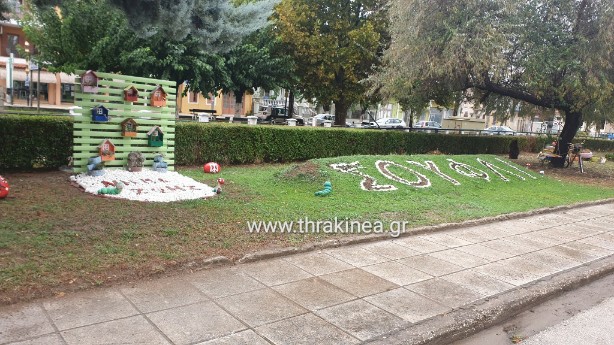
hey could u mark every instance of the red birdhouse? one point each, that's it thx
(131, 94)
(4, 188)
(107, 150)
(89, 82)
(158, 97)
(129, 128)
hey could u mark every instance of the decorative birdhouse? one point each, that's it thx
(131, 94)
(155, 137)
(89, 82)
(128, 128)
(158, 97)
(106, 150)
(100, 114)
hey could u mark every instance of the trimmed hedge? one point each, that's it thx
(28, 142)
(197, 143)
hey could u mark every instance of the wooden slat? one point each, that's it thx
(88, 135)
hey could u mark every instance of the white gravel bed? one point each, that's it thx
(147, 185)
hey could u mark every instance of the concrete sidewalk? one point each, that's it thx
(345, 295)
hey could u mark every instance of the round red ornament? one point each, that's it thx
(212, 168)
(220, 181)
(4, 188)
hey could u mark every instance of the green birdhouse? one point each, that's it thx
(155, 137)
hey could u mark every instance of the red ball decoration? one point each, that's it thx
(220, 181)
(212, 168)
(4, 188)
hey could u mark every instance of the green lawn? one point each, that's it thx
(54, 238)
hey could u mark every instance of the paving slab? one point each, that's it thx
(162, 294)
(87, 308)
(195, 323)
(260, 307)
(460, 258)
(305, 329)
(605, 241)
(446, 240)
(22, 322)
(407, 305)
(480, 283)
(361, 319)
(314, 293)
(130, 331)
(275, 272)
(356, 256)
(431, 265)
(50, 339)
(390, 250)
(445, 292)
(420, 244)
(359, 283)
(318, 263)
(223, 282)
(397, 273)
(484, 252)
(516, 271)
(247, 337)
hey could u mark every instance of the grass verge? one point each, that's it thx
(55, 238)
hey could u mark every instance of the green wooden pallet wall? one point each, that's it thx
(87, 135)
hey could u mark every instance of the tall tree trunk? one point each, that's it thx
(341, 111)
(238, 103)
(291, 103)
(573, 121)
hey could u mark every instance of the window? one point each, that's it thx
(68, 93)
(12, 41)
(192, 97)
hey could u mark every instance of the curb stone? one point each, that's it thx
(463, 322)
(334, 243)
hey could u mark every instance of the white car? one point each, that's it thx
(427, 125)
(502, 130)
(389, 122)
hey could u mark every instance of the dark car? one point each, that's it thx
(278, 116)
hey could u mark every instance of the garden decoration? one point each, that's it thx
(155, 137)
(4, 188)
(218, 188)
(129, 128)
(212, 168)
(158, 97)
(131, 94)
(502, 169)
(112, 190)
(328, 188)
(159, 164)
(107, 150)
(89, 82)
(135, 161)
(100, 114)
(94, 166)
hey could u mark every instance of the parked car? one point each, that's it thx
(277, 115)
(389, 122)
(502, 130)
(320, 118)
(427, 125)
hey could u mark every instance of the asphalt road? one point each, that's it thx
(594, 326)
(584, 316)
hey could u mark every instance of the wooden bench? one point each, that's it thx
(197, 111)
